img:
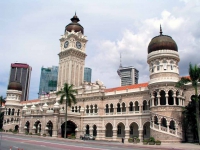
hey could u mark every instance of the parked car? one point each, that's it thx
(88, 137)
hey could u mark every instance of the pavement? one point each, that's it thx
(164, 146)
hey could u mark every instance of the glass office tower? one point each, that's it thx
(87, 74)
(48, 80)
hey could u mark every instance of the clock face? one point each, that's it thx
(66, 44)
(78, 45)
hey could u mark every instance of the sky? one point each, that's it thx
(30, 32)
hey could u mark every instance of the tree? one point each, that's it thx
(189, 119)
(67, 95)
(194, 72)
(2, 100)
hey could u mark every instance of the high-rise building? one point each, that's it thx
(87, 74)
(21, 73)
(128, 75)
(48, 79)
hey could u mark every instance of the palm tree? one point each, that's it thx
(67, 95)
(194, 72)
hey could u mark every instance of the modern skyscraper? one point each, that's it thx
(128, 75)
(21, 73)
(48, 79)
(87, 74)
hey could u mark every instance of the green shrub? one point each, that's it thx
(38, 134)
(145, 141)
(73, 137)
(26, 132)
(72, 134)
(10, 130)
(15, 132)
(158, 142)
(30, 133)
(44, 135)
(138, 140)
(151, 139)
(130, 140)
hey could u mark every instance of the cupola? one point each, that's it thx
(161, 42)
(74, 25)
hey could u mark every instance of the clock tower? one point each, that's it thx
(72, 54)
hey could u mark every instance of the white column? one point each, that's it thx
(152, 99)
(158, 96)
(167, 127)
(167, 96)
(174, 97)
(159, 124)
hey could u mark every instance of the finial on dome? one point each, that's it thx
(160, 30)
(75, 18)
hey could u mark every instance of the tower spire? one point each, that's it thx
(160, 30)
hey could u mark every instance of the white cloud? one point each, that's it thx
(31, 34)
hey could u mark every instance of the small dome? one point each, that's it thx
(162, 42)
(15, 86)
(74, 25)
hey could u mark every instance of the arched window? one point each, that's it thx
(162, 98)
(144, 105)
(137, 106)
(118, 107)
(13, 112)
(79, 109)
(155, 120)
(87, 129)
(170, 98)
(152, 68)
(171, 65)
(131, 129)
(131, 106)
(172, 125)
(91, 108)
(9, 111)
(123, 107)
(95, 108)
(163, 122)
(119, 129)
(155, 99)
(158, 65)
(87, 109)
(76, 110)
(164, 64)
(111, 108)
(72, 108)
(18, 112)
(94, 130)
(107, 109)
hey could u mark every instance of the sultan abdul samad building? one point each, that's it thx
(143, 110)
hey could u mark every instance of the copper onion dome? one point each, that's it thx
(15, 86)
(74, 25)
(162, 42)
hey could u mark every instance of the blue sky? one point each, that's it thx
(30, 32)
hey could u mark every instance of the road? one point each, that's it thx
(21, 142)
